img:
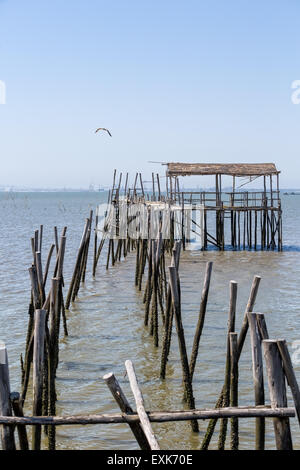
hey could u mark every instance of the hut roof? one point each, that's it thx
(233, 169)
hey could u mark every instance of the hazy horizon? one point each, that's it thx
(20, 189)
(193, 81)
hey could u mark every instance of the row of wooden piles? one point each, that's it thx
(137, 190)
(162, 299)
(46, 313)
(251, 229)
(46, 319)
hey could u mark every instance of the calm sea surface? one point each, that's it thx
(106, 322)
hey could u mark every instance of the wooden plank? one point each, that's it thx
(139, 400)
(154, 416)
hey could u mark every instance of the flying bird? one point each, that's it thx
(103, 129)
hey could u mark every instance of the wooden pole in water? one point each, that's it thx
(75, 275)
(38, 364)
(153, 310)
(126, 184)
(168, 317)
(156, 259)
(36, 241)
(18, 411)
(48, 265)
(54, 320)
(7, 432)
(153, 188)
(234, 377)
(244, 231)
(255, 229)
(140, 408)
(158, 186)
(290, 374)
(258, 379)
(39, 271)
(262, 326)
(201, 318)
(149, 284)
(226, 388)
(56, 239)
(174, 262)
(182, 346)
(30, 330)
(249, 308)
(276, 380)
(95, 243)
(125, 407)
(239, 229)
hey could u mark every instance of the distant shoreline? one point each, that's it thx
(287, 192)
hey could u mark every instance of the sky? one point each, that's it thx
(192, 81)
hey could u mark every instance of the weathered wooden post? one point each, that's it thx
(241, 340)
(76, 273)
(290, 374)
(38, 365)
(18, 411)
(53, 347)
(249, 308)
(182, 346)
(7, 432)
(234, 380)
(145, 423)
(277, 389)
(258, 379)
(125, 407)
(169, 315)
(201, 318)
(226, 388)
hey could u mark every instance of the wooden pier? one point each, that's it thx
(235, 219)
(255, 216)
(157, 277)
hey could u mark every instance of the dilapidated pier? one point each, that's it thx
(255, 217)
(157, 225)
(236, 219)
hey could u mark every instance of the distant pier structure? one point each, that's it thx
(240, 219)
(228, 216)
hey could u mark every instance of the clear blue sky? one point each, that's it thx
(206, 81)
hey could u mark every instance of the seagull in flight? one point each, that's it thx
(103, 129)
